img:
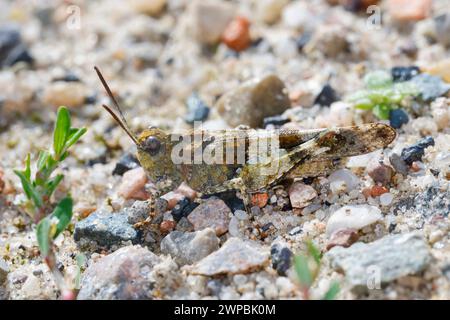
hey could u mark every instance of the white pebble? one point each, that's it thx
(353, 217)
(343, 180)
(386, 199)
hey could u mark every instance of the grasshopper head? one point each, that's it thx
(154, 154)
(154, 146)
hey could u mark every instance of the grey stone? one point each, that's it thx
(430, 87)
(138, 212)
(106, 229)
(253, 101)
(398, 164)
(213, 213)
(4, 270)
(190, 247)
(442, 26)
(391, 257)
(236, 256)
(124, 274)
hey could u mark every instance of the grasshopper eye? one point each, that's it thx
(152, 145)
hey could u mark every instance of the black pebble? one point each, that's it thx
(397, 118)
(12, 50)
(127, 162)
(197, 109)
(230, 199)
(69, 77)
(183, 209)
(416, 151)
(281, 258)
(276, 121)
(100, 159)
(303, 40)
(404, 73)
(326, 96)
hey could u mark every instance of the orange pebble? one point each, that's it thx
(166, 226)
(237, 34)
(260, 199)
(378, 191)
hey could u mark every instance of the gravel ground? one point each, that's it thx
(382, 221)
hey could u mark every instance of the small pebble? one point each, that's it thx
(132, 185)
(326, 96)
(259, 199)
(269, 11)
(343, 180)
(172, 199)
(241, 215)
(69, 94)
(185, 190)
(301, 41)
(237, 34)
(166, 226)
(386, 199)
(12, 50)
(212, 213)
(400, 74)
(152, 8)
(126, 162)
(430, 87)
(398, 164)
(281, 258)
(353, 217)
(380, 173)
(276, 121)
(197, 109)
(253, 101)
(301, 195)
(344, 238)
(409, 10)
(397, 118)
(442, 27)
(416, 151)
(377, 190)
(210, 18)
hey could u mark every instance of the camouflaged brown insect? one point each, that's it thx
(298, 154)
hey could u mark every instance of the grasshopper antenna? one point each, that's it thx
(119, 119)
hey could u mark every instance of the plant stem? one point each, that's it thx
(66, 292)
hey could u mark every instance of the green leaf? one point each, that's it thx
(314, 252)
(27, 171)
(63, 212)
(382, 111)
(53, 183)
(74, 136)
(302, 269)
(28, 188)
(43, 160)
(43, 236)
(332, 292)
(61, 131)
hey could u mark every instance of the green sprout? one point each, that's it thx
(381, 94)
(51, 219)
(307, 266)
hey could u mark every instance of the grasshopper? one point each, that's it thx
(241, 166)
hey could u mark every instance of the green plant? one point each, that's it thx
(51, 219)
(307, 266)
(381, 94)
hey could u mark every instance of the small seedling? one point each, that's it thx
(307, 267)
(51, 219)
(381, 94)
